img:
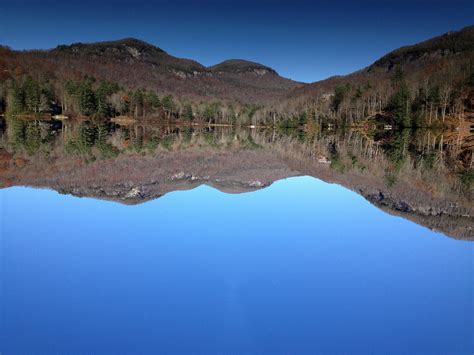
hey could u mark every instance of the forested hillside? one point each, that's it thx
(131, 77)
(423, 85)
(420, 85)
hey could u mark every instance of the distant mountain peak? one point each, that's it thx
(241, 66)
(134, 47)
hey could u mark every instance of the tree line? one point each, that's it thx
(401, 99)
(105, 99)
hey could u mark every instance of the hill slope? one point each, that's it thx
(134, 63)
(420, 60)
(430, 84)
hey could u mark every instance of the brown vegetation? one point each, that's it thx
(427, 84)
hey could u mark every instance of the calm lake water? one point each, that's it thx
(300, 266)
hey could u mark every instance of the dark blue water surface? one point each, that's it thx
(299, 267)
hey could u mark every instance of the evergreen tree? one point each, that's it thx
(101, 132)
(398, 76)
(302, 119)
(102, 93)
(87, 99)
(3, 101)
(210, 112)
(18, 128)
(168, 104)
(188, 112)
(87, 134)
(17, 99)
(339, 95)
(152, 100)
(470, 80)
(32, 137)
(401, 105)
(32, 92)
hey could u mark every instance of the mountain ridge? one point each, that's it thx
(134, 63)
(451, 41)
(137, 48)
(435, 81)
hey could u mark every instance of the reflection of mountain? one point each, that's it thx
(451, 214)
(424, 177)
(135, 179)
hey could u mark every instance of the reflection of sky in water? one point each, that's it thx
(301, 265)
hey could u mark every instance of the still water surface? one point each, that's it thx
(300, 266)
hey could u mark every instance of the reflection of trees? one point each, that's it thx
(435, 161)
(397, 154)
(90, 139)
(28, 136)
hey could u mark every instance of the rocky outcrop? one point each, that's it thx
(443, 216)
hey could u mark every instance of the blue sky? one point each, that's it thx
(302, 40)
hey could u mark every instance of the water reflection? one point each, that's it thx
(424, 176)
